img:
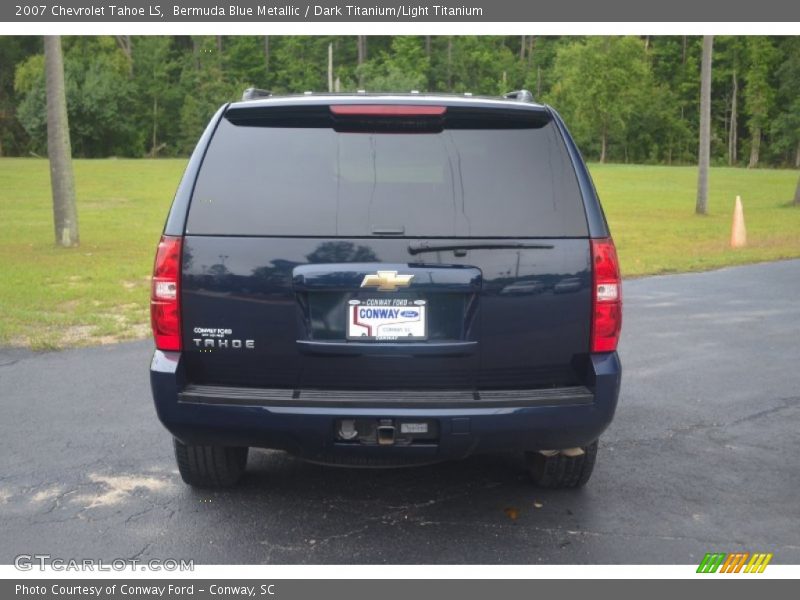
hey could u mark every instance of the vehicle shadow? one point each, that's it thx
(451, 512)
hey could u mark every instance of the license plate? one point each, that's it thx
(384, 319)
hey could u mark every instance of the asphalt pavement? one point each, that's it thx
(702, 456)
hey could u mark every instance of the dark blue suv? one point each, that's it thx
(383, 280)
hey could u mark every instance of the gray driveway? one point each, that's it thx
(703, 456)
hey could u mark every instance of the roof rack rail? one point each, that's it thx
(253, 93)
(521, 95)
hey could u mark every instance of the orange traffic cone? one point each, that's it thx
(738, 231)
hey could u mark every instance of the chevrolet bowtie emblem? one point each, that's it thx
(387, 281)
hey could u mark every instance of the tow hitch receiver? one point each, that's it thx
(386, 432)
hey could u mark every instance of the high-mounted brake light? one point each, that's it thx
(165, 299)
(387, 110)
(606, 296)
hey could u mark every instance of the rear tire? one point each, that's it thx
(210, 466)
(559, 471)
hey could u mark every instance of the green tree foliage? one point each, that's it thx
(759, 93)
(477, 65)
(100, 99)
(205, 87)
(403, 68)
(13, 51)
(153, 95)
(673, 108)
(601, 108)
(785, 127)
(156, 64)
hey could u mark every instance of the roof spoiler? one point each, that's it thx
(395, 118)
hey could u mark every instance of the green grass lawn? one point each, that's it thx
(651, 213)
(51, 297)
(97, 293)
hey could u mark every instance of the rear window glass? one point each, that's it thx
(317, 182)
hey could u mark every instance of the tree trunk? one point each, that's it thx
(755, 147)
(62, 178)
(538, 81)
(603, 144)
(531, 48)
(522, 47)
(196, 51)
(266, 55)
(330, 68)
(733, 132)
(428, 45)
(154, 146)
(732, 129)
(362, 49)
(449, 64)
(796, 156)
(125, 44)
(361, 44)
(704, 150)
(735, 123)
(797, 194)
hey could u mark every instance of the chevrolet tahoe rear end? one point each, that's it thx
(382, 280)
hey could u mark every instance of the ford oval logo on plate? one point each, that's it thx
(409, 314)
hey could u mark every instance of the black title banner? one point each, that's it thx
(444, 11)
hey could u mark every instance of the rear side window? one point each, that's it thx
(297, 181)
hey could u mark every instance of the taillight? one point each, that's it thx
(606, 296)
(165, 298)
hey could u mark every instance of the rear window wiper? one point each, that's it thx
(419, 247)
